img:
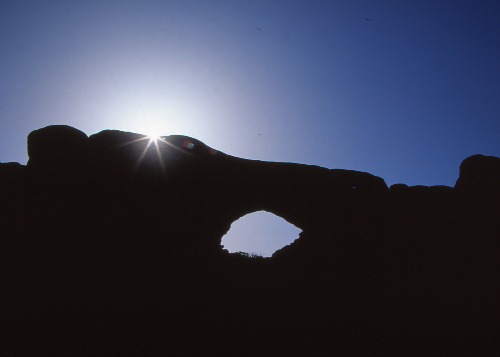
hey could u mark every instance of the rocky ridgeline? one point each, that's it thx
(111, 244)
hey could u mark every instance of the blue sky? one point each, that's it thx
(402, 89)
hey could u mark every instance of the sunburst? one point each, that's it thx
(156, 143)
(152, 140)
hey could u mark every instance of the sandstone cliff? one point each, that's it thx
(111, 244)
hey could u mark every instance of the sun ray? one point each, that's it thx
(158, 152)
(144, 152)
(156, 141)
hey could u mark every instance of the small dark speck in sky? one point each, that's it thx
(258, 29)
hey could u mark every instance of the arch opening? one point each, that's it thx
(259, 233)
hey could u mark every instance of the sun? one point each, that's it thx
(153, 137)
(151, 128)
(153, 142)
(152, 133)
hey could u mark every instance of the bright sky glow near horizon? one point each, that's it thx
(402, 89)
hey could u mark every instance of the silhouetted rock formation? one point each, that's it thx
(111, 244)
(479, 175)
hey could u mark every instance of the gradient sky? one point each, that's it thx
(402, 89)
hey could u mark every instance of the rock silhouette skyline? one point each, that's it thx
(112, 244)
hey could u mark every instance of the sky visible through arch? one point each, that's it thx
(402, 89)
(260, 233)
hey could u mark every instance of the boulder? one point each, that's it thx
(480, 177)
(55, 144)
(57, 154)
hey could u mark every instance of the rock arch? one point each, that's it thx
(190, 193)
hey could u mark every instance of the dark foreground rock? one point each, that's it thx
(111, 245)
